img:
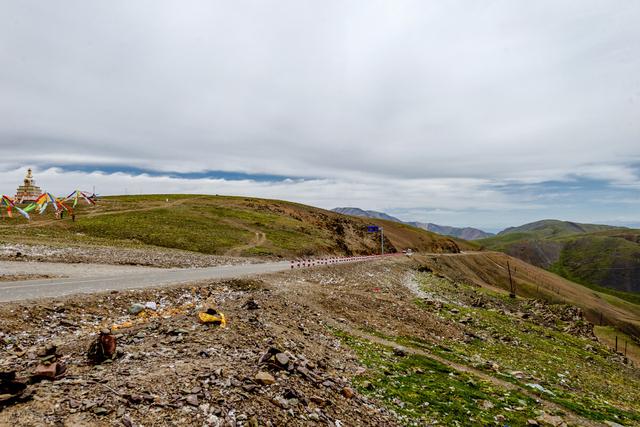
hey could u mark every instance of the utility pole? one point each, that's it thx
(512, 291)
(381, 241)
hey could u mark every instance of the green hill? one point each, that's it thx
(223, 225)
(551, 228)
(596, 255)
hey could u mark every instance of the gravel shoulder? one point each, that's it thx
(29, 270)
(148, 257)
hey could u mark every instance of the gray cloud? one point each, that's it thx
(492, 91)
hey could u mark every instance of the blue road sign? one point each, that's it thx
(372, 228)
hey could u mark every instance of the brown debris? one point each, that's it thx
(103, 348)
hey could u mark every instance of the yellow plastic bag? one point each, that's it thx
(212, 316)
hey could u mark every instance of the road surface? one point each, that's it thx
(44, 288)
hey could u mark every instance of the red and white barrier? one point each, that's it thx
(304, 263)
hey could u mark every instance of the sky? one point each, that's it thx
(467, 113)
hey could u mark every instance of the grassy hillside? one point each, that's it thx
(551, 228)
(222, 225)
(489, 270)
(598, 256)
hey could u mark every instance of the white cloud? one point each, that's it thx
(401, 105)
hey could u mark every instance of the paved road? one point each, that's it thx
(28, 289)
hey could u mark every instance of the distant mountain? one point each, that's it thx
(466, 233)
(592, 254)
(366, 214)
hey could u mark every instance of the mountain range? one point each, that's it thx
(465, 233)
(596, 255)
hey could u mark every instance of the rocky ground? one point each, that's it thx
(152, 257)
(375, 343)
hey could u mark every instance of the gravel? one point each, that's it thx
(150, 257)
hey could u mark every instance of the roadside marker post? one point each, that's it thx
(375, 229)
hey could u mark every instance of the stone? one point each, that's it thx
(281, 402)
(47, 351)
(282, 359)
(136, 308)
(399, 351)
(318, 400)
(99, 410)
(126, 421)
(48, 372)
(486, 404)
(532, 423)
(265, 378)
(553, 420)
(192, 400)
(347, 392)
(367, 385)
(251, 305)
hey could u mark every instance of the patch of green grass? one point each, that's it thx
(578, 372)
(172, 228)
(590, 261)
(422, 390)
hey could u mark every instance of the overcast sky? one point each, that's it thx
(481, 113)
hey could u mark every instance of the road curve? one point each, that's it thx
(45, 288)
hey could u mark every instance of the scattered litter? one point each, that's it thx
(540, 388)
(212, 316)
(123, 325)
(103, 348)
